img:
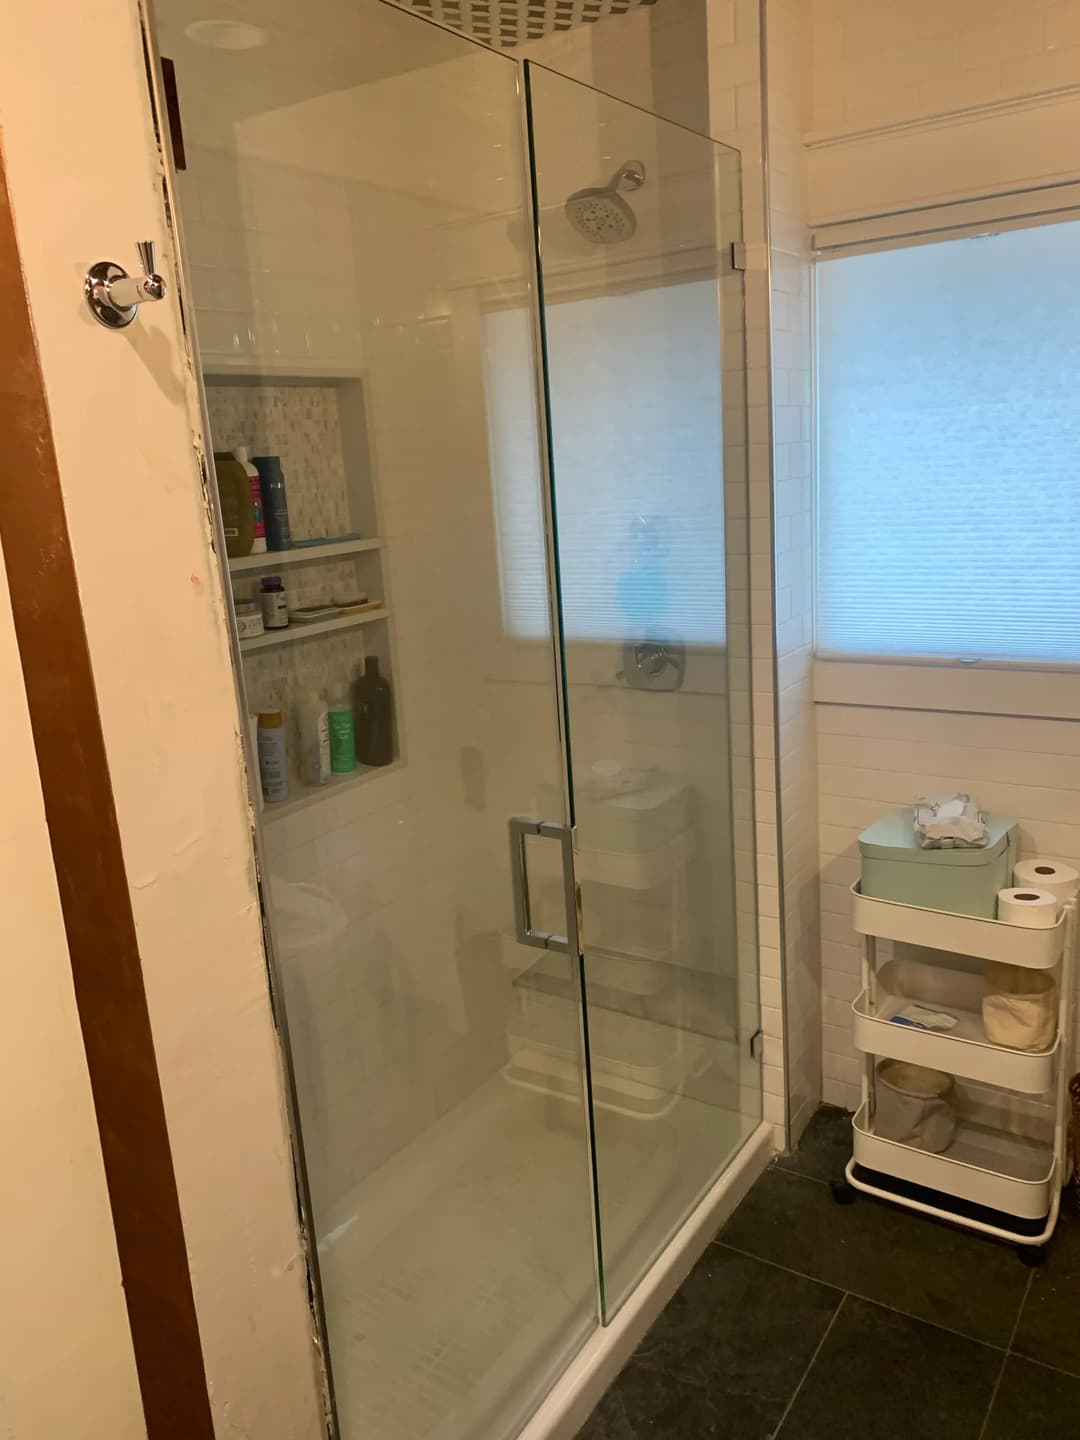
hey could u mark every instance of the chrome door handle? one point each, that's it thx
(520, 830)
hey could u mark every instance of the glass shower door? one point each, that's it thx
(643, 336)
(355, 223)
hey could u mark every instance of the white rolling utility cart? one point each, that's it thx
(1004, 1169)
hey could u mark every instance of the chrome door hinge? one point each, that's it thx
(738, 254)
(757, 1045)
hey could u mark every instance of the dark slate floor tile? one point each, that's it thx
(656, 1406)
(1049, 1328)
(1032, 1401)
(934, 1271)
(723, 1359)
(825, 1147)
(739, 1326)
(890, 1377)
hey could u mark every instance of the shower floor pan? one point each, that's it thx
(451, 1269)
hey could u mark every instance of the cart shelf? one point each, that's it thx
(987, 1171)
(984, 1166)
(963, 1051)
(960, 934)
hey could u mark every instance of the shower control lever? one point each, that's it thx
(114, 296)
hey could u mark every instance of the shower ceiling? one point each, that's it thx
(505, 23)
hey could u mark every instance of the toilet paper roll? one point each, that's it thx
(1034, 909)
(1061, 880)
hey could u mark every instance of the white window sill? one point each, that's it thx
(982, 689)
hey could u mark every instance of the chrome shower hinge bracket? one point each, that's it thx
(757, 1045)
(738, 255)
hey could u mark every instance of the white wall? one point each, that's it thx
(909, 104)
(878, 62)
(66, 1361)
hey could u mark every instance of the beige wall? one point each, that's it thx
(123, 413)
(66, 1362)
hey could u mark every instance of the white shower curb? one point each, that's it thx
(577, 1392)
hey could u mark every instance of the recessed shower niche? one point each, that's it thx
(333, 573)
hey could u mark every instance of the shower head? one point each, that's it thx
(600, 214)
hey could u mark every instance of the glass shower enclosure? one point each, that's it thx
(484, 321)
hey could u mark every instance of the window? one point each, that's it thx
(637, 437)
(949, 449)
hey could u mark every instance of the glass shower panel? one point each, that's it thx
(635, 216)
(353, 208)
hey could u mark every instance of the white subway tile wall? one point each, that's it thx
(736, 119)
(793, 521)
(879, 62)
(876, 63)
(397, 1039)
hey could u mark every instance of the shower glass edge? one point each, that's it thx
(451, 1215)
(643, 328)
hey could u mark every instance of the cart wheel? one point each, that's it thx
(841, 1192)
(1031, 1255)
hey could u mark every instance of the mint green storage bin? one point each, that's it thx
(965, 882)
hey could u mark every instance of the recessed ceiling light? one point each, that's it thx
(226, 34)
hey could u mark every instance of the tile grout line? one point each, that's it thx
(1005, 1357)
(817, 1351)
(869, 1299)
(814, 1179)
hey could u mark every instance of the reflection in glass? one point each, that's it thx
(638, 359)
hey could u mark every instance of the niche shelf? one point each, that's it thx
(268, 560)
(245, 370)
(292, 633)
(303, 797)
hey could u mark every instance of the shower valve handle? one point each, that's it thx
(114, 296)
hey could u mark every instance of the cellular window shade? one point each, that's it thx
(949, 449)
(637, 451)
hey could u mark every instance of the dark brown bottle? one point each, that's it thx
(374, 716)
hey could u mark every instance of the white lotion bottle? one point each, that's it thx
(315, 743)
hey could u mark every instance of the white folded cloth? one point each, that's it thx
(948, 822)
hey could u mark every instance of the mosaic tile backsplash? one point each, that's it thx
(300, 423)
